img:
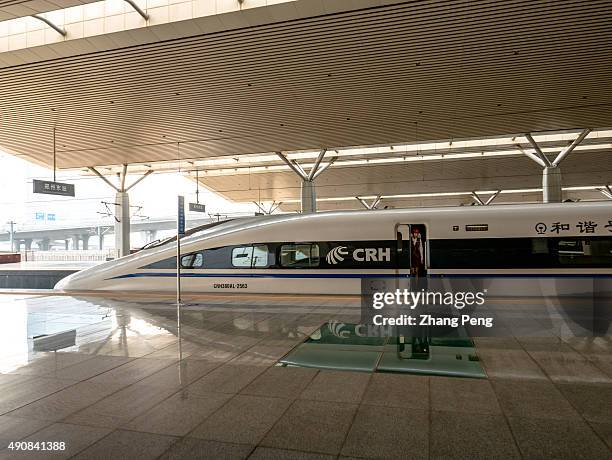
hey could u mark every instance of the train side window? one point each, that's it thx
(250, 256)
(579, 252)
(303, 255)
(194, 260)
(260, 255)
(242, 256)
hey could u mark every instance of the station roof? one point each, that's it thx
(305, 75)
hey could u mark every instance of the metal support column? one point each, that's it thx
(308, 196)
(308, 190)
(552, 191)
(122, 210)
(122, 224)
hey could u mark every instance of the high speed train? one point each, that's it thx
(334, 252)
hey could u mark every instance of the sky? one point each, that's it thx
(157, 194)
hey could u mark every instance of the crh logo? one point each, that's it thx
(335, 328)
(338, 254)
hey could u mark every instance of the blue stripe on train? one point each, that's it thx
(355, 275)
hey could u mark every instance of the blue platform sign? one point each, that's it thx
(181, 216)
(40, 216)
(51, 217)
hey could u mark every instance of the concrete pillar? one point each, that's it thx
(122, 224)
(150, 235)
(85, 239)
(75, 242)
(18, 245)
(28, 244)
(100, 238)
(309, 196)
(67, 244)
(43, 245)
(551, 185)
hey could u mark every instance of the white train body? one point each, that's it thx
(333, 252)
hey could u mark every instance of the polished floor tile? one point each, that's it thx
(337, 386)
(192, 448)
(312, 426)
(129, 388)
(470, 396)
(132, 372)
(128, 444)
(177, 415)
(476, 436)
(244, 419)
(389, 433)
(559, 439)
(267, 453)
(281, 382)
(75, 437)
(16, 428)
(593, 402)
(14, 396)
(227, 378)
(539, 400)
(120, 407)
(396, 390)
(65, 402)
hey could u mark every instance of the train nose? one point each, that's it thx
(67, 283)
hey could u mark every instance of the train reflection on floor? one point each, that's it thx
(357, 347)
(112, 378)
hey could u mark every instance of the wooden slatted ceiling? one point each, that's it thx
(413, 71)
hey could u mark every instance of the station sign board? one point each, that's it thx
(197, 207)
(181, 216)
(53, 188)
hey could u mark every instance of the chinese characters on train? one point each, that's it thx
(583, 226)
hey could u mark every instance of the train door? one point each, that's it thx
(412, 249)
(412, 341)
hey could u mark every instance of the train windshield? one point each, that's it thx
(191, 231)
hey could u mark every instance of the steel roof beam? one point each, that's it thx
(372, 206)
(321, 170)
(477, 199)
(606, 191)
(293, 165)
(492, 197)
(97, 173)
(134, 5)
(57, 28)
(150, 171)
(539, 156)
(567, 150)
(317, 164)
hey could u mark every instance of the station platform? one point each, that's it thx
(132, 381)
(37, 275)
